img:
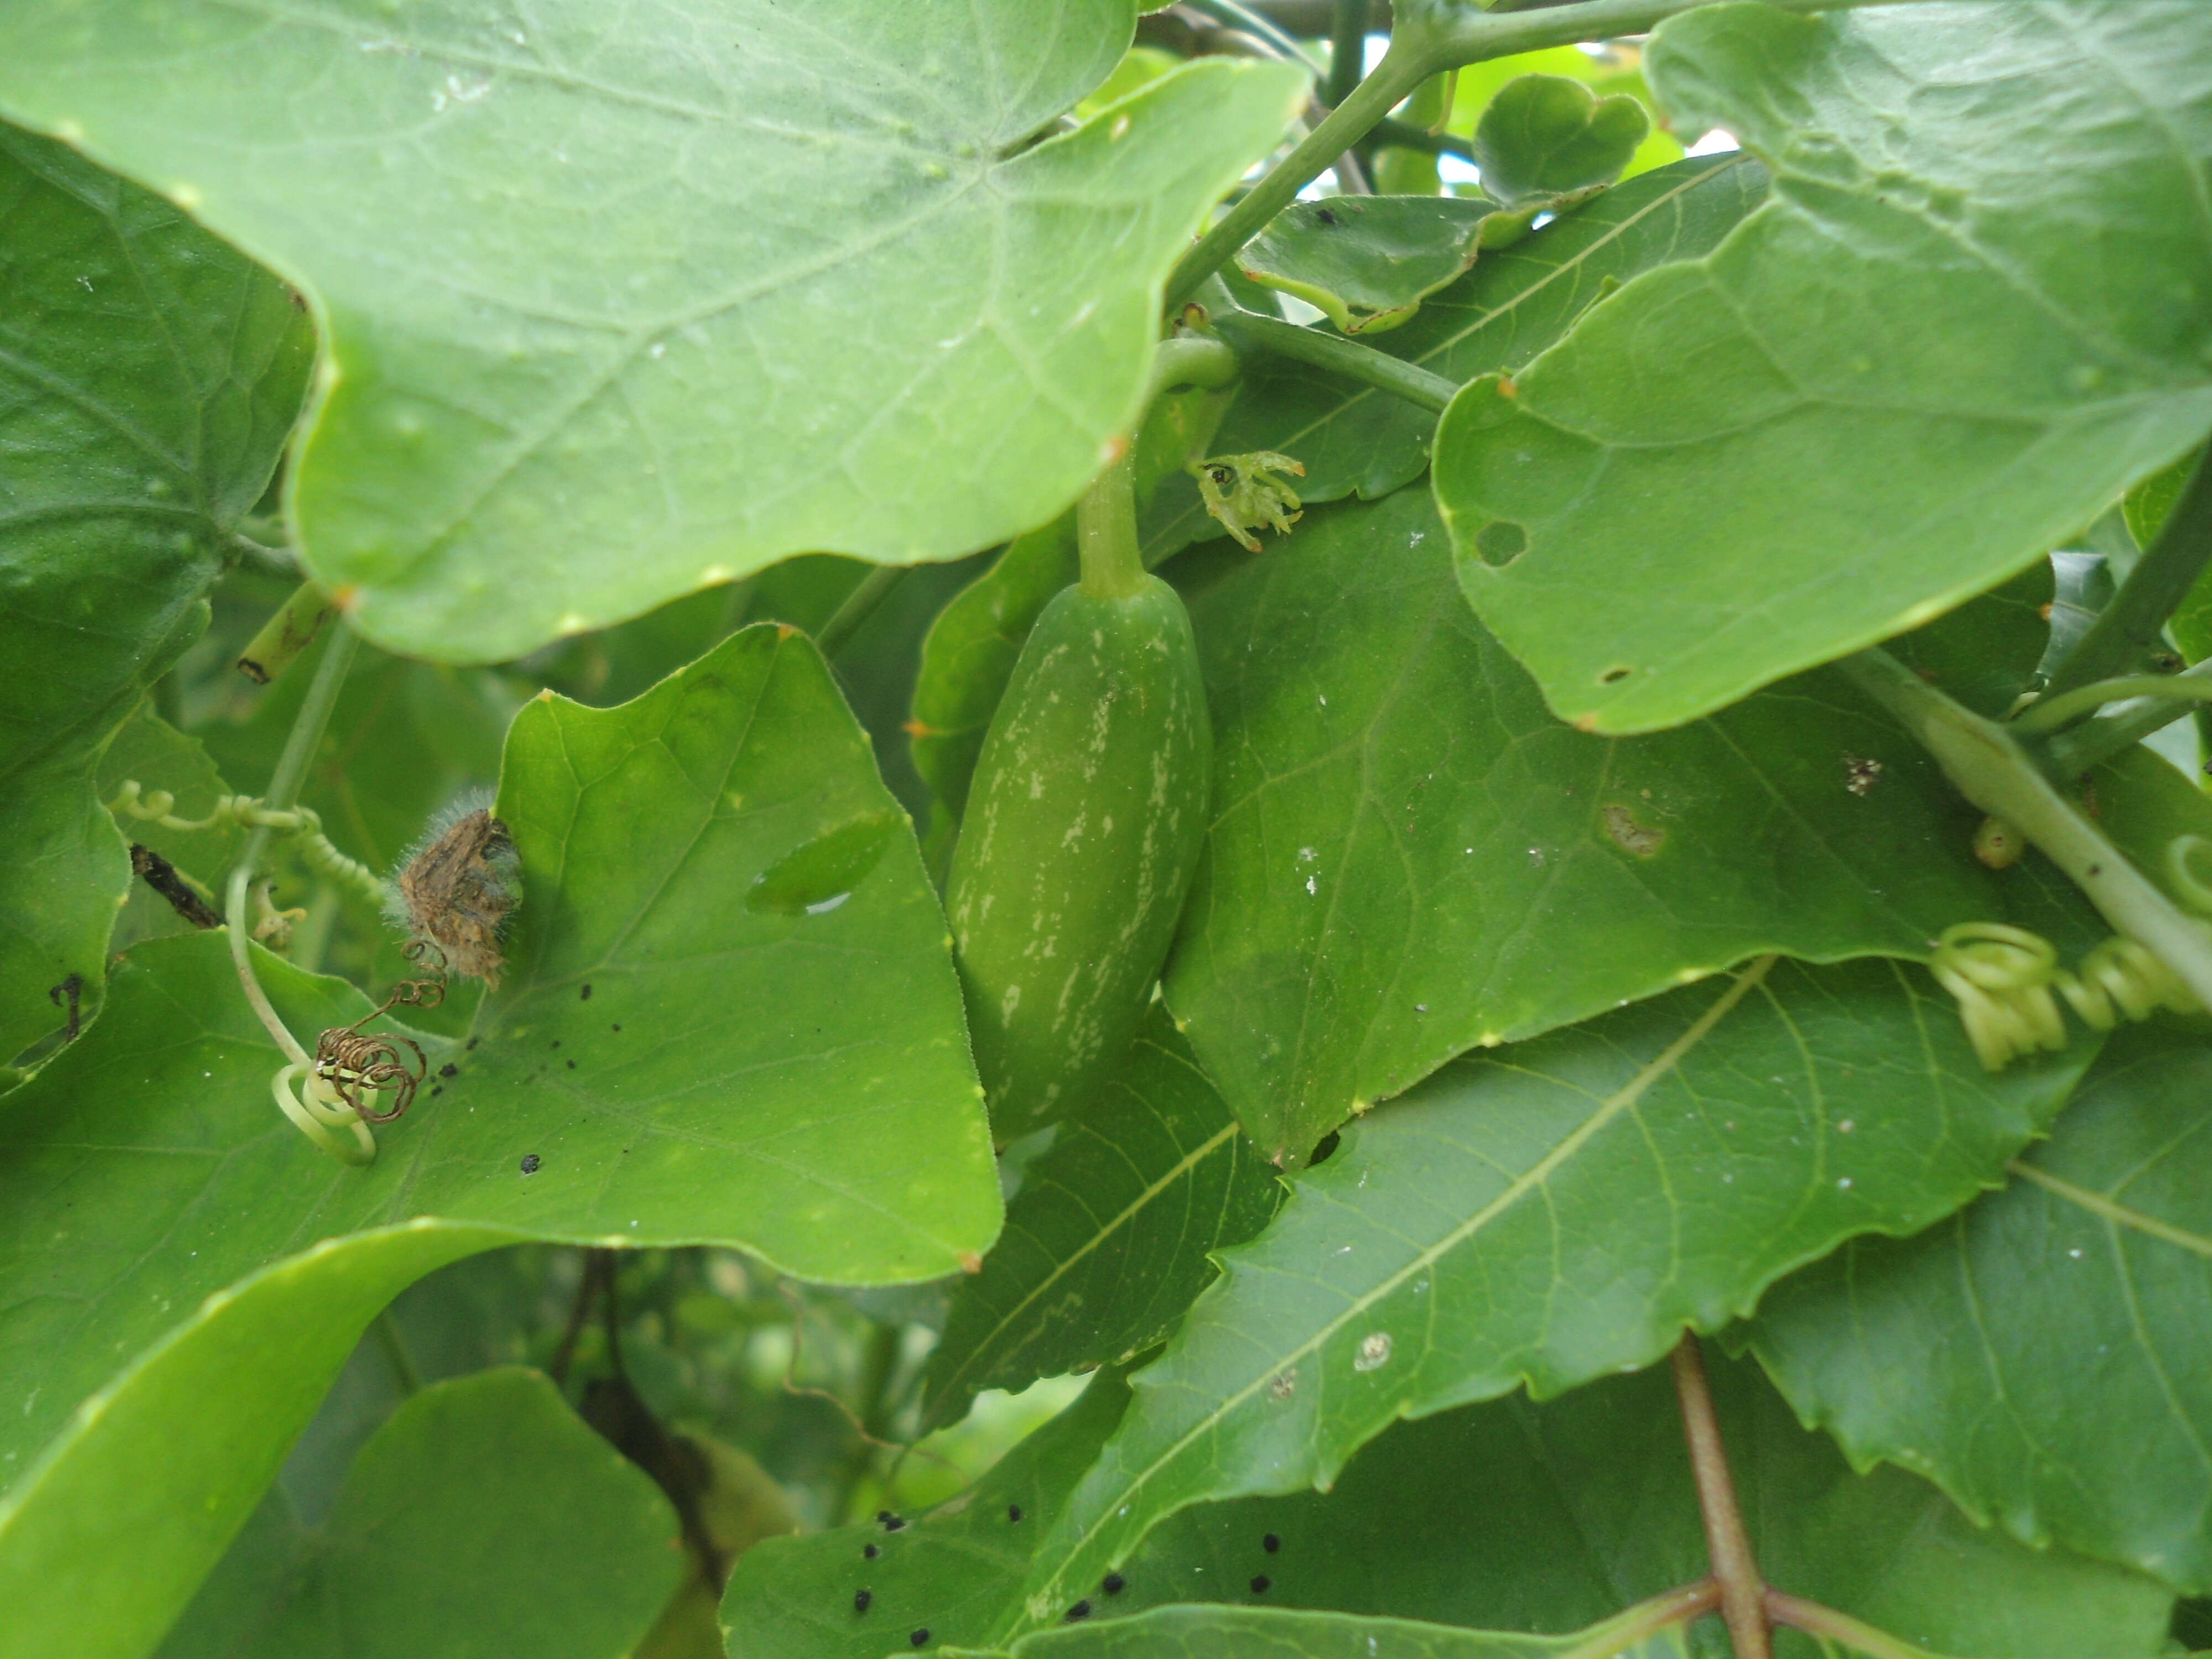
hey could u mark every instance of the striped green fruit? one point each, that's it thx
(1083, 828)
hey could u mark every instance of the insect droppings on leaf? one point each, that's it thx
(869, 1552)
(584, 995)
(1081, 1611)
(530, 1163)
(1270, 1543)
(860, 1600)
(1261, 1583)
(1013, 1511)
(458, 886)
(919, 1637)
(1113, 1583)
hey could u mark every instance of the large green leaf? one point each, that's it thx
(1551, 1214)
(149, 377)
(1260, 1633)
(1905, 377)
(606, 290)
(483, 1518)
(1515, 302)
(2046, 1354)
(1409, 856)
(1112, 1233)
(950, 1573)
(711, 1031)
(1511, 1516)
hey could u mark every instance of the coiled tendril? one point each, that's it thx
(2004, 977)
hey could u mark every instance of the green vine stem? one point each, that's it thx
(1735, 1569)
(1106, 531)
(299, 621)
(1838, 1627)
(2048, 714)
(1992, 768)
(1249, 331)
(1347, 51)
(1429, 37)
(858, 606)
(283, 790)
(2070, 753)
(2126, 632)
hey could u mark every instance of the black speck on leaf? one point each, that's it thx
(530, 1163)
(449, 1070)
(918, 1638)
(474, 1041)
(584, 995)
(555, 1043)
(1113, 1583)
(436, 1090)
(860, 1600)
(1013, 1511)
(869, 1552)
(1271, 1543)
(1261, 1584)
(895, 1524)
(1081, 1610)
(572, 1064)
(1326, 216)
(618, 1028)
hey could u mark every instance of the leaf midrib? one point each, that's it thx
(1533, 1179)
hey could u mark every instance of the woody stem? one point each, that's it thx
(1734, 1568)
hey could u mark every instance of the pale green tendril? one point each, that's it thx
(2008, 982)
(303, 824)
(1242, 492)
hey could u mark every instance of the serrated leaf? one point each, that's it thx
(149, 377)
(1409, 857)
(789, 1076)
(1546, 139)
(2041, 1355)
(1511, 305)
(1912, 365)
(1551, 1516)
(483, 1518)
(1551, 1214)
(949, 1572)
(604, 290)
(1112, 1233)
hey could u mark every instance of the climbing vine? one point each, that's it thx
(1275, 827)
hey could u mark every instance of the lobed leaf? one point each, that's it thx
(1548, 139)
(1551, 1214)
(1112, 1233)
(603, 289)
(729, 1019)
(1903, 379)
(1410, 857)
(2040, 1355)
(149, 377)
(483, 1518)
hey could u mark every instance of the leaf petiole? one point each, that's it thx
(2127, 630)
(1992, 769)
(2051, 713)
(1740, 1588)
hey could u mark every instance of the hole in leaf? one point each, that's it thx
(1323, 1147)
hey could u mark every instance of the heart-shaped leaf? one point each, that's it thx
(1112, 1233)
(149, 377)
(731, 1016)
(1410, 857)
(606, 290)
(1908, 376)
(2035, 1354)
(1551, 1214)
(482, 1518)
(1546, 140)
